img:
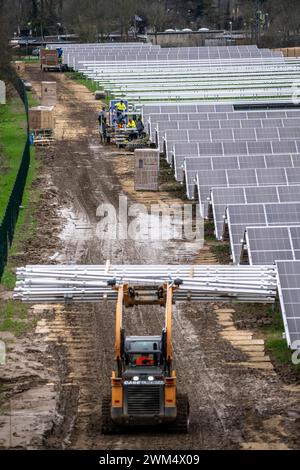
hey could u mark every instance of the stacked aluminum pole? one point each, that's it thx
(200, 282)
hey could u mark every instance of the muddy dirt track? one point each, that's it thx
(232, 405)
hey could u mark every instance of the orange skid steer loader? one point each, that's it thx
(143, 386)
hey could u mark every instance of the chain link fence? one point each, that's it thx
(8, 224)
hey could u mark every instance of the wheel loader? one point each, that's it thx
(143, 385)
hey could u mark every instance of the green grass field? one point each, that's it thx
(14, 315)
(82, 80)
(89, 84)
(30, 59)
(26, 225)
(14, 318)
(12, 142)
(12, 139)
(267, 319)
(277, 345)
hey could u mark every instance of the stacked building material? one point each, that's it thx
(48, 94)
(146, 169)
(19, 66)
(41, 117)
(199, 282)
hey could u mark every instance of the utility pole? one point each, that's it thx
(258, 13)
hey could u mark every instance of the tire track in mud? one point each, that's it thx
(82, 190)
(222, 396)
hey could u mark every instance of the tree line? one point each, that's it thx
(278, 24)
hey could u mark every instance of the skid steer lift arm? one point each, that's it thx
(168, 326)
(130, 297)
(119, 329)
(144, 382)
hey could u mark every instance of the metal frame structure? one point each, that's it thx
(199, 282)
(259, 283)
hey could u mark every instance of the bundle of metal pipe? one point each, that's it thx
(199, 282)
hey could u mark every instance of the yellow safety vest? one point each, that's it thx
(131, 124)
(121, 106)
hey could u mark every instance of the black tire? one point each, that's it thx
(107, 426)
(181, 424)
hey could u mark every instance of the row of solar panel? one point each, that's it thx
(141, 66)
(221, 197)
(208, 179)
(103, 45)
(263, 245)
(131, 54)
(232, 117)
(289, 294)
(247, 129)
(241, 216)
(182, 153)
(147, 66)
(164, 59)
(223, 135)
(218, 120)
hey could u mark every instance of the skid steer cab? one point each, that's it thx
(143, 386)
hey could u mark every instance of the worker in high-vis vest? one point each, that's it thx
(121, 106)
(131, 124)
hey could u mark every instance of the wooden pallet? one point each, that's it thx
(43, 142)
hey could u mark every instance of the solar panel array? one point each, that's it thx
(130, 51)
(183, 80)
(243, 166)
(247, 164)
(221, 197)
(230, 178)
(144, 73)
(262, 127)
(288, 273)
(276, 126)
(241, 216)
(264, 245)
(226, 149)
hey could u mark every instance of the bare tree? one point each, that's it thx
(158, 15)
(4, 35)
(284, 18)
(88, 18)
(94, 18)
